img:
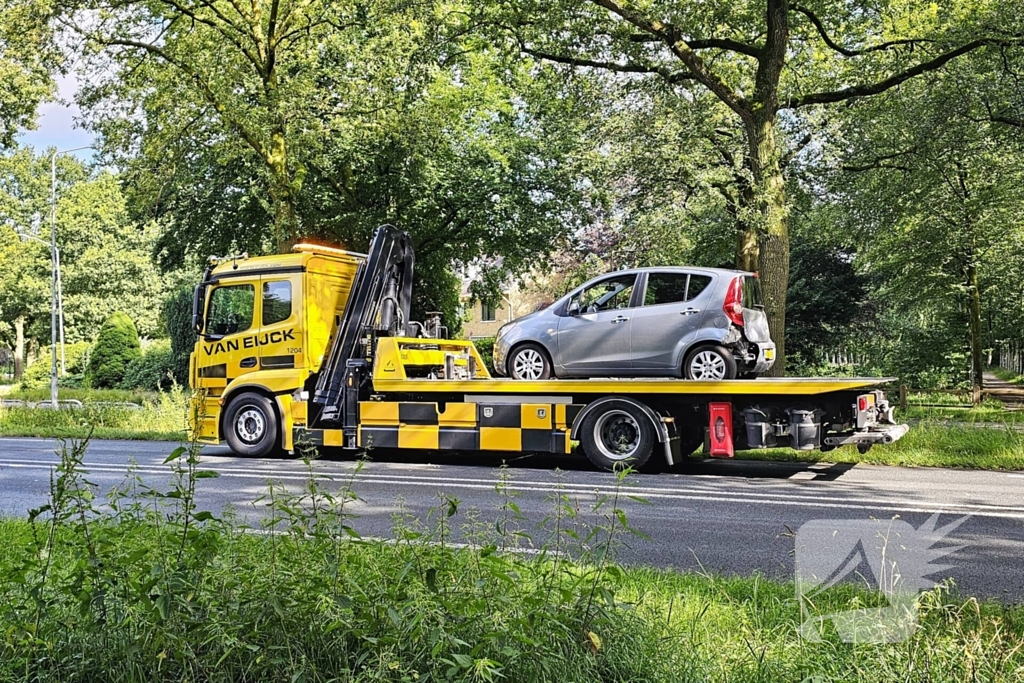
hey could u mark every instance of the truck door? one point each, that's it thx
(280, 338)
(230, 317)
(674, 304)
(593, 336)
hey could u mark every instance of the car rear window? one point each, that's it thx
(698, 283)
(752, 292)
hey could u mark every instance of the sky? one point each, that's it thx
(55, 126)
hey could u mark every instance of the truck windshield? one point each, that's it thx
(752, 292)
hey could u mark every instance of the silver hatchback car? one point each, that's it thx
(696, 323)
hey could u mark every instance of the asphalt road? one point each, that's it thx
(731, 517)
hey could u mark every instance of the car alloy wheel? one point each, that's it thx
(707, 365)
(528, 364)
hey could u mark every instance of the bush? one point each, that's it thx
(485, 347)
(116, 347)
(76, 357)
(177, 314)
(153, 370)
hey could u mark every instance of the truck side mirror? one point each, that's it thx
(198, 299)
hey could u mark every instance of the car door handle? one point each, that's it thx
(620, 319)
(249, 362)
(689, 311)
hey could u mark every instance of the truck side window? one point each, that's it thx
(277, 301)
(231, 308)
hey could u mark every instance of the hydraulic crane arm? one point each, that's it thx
(378, 306)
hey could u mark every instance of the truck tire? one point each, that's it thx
(709, 363)
(529, 361)
(617, 434)
(250, 426)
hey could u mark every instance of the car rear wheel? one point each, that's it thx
(529, 361)
(709, 363)
(617, 434)
(251, 426)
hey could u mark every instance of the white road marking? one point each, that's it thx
(696, 494)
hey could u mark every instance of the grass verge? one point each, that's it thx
(148, 588)
(927, 444)
(162, 417)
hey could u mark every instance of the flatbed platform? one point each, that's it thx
(767, 386)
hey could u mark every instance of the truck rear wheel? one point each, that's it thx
(617, 433)
(250, 426)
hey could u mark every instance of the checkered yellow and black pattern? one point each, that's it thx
(517, 427)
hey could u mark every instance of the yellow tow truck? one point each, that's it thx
(317, 347)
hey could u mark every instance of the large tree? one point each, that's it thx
(931, 191)
(105, 256)
(259, 123)
(28, 58)
(766, 62)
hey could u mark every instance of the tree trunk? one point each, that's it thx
(19, 347)
(764, 246)
(974, 305)
(283, 190)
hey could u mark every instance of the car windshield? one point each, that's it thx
(752, 292)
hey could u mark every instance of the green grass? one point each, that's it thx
(147, 589)
(927, 444)
(162, 417)
(986, 413)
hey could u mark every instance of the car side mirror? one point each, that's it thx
(573, 308)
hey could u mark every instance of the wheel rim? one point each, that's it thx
(528, 364)
(617, 435)
(707, 365)
(251, 425)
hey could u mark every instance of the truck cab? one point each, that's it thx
(263, 326)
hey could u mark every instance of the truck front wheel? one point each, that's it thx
(617, 433)
(250, 426)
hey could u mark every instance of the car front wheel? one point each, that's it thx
(529, 361)
(709, 363)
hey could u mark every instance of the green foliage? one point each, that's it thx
(177, 315)
(152, 370)
(826, 301)
(485, 347)
(116, 347)
(28, 59)
(76, 356)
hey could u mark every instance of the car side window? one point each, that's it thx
(277, 301)
(231, 309)
(606, 295)
(665, 288)
(698, 283)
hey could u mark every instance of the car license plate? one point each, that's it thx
(769, 354)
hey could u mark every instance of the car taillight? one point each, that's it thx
(862, 403)
(733, 306)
